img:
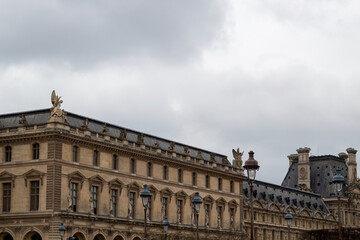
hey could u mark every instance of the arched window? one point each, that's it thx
(114, 162)
(8, 154)
(194, 179)
(180, 177)
(36, 150)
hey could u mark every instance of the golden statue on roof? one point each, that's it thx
(57, 114)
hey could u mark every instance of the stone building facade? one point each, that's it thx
(59, 167)
(315, 173)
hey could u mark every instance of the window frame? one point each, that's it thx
(180, 175)
(95, 198)
(74, 191)
(34, 195)
(194, 179)
(132, 166)
(6, 196)
(149, 169)
(36, 151)
(114, 200)
(207, 181)
(8, 153)
(96, 158)
(75, 153)
(165, 172)
(220, 187)
(114, 162)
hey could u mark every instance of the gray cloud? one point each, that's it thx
(92, 31)
(274, 83)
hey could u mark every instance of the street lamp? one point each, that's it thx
(197, 201)
(145, 196)
(251, 166)
(288, 218)
(338, 180)
(166, 226)
(62, 230)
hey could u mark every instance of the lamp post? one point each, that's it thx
(338, 180)
(251, 166)
(166, 226)
(62, 230)
(145, 196)
(197, 201)
(288, 218)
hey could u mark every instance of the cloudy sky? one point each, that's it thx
(263, 75)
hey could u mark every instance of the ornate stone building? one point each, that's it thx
(59, 167)
(315, 173)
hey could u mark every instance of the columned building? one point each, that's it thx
(59, 167)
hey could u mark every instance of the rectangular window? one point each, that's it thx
(73, 189)
(264, 234)
(114, 162)
(94, 194)
(36, 150)
(231, 186)
(114, 201)
(179, 210)
(220, 184)
(245, 215)
(194, 179)
(180, 176)
(165, 172)
(132, 165)
(8, 154)
(207, 181)
(219, 212)
(232, 217)
(34, 195)
(95, 158)
(132, 204)
(164, 205)
(149, 166)
(6, 197)
(75, 153)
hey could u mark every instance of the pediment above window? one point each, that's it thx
(77, 177)
(6, 176)
(97, 180)
(153, 191)
(33, 174)
(166, 192)
(181, 195)
(116, 183)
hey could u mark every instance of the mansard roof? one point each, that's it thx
(40, 117)
(322, 170)
(285, 197)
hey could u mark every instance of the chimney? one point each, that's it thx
(291, 158)
(304, 168)
(351, 163)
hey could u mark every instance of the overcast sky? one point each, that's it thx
(263, 75)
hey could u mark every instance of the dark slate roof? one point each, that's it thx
(39, 117)
(269, 193)
(322, 170)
